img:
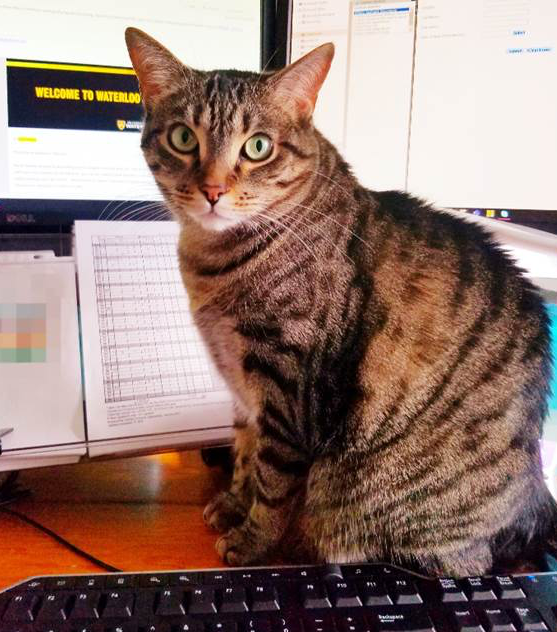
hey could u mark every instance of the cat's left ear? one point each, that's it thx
(156, 68)
(300, 82)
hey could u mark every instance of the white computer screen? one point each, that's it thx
(484, 110)
(364, 106)
(453, 100)
(69, 103)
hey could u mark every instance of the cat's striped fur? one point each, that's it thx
(390, 364)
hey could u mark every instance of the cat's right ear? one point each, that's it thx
(156, 68)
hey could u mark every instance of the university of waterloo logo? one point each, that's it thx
(122, 125)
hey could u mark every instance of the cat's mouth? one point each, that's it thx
(216, 219)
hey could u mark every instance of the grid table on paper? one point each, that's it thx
(150, 346)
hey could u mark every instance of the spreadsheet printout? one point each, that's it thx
(146, 368)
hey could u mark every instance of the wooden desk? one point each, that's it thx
(142, 513)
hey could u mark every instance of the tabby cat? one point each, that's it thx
(389, 363)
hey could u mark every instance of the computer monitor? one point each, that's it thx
(453, 101)
(70, 112)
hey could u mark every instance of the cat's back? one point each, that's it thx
(465, 335)
(448, 266)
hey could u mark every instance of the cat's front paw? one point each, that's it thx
(239, 547)
(224, 512)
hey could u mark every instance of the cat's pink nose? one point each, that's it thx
(213, 192)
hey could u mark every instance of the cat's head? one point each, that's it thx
(227, 146)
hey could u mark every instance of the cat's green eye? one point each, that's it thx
(258, 147)
(182, 138)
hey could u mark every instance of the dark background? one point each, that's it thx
(25, 109)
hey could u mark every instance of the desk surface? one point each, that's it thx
(142, 513)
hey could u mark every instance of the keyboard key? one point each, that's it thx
(34, 584)
(185, 579)
(259, 624)
(290, 624)
(245, 577)
(498, 620)
(222, 626)
(155, 627)
(22, 608)
(351, 623)
(119, 604)
(53, 607)
(302, 573)
(202, 601)
(120, 581)
(234, 599)
(219, 578)
(478, 589)
(264, 597)
(466, 621)
(314, 596)
(319, 623)
(60, 583)
(86, 628)
(155, 581)
(358, 572)
(374, 593)
(86, 605)
(412, 621)
(343, 594)
(170, 603)
(507, 588)
(189, 625)
(450, 591)
(404, 591)
(271, 576)
(90, 582)
(529, 619)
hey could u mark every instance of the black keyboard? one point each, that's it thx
(331, 598)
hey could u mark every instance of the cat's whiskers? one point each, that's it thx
(346, 192)
(293, 232)
(135, 191)
(314, 226)
(134, 213)
(332, 219)
(263, 212)
(123, 206)
(128, 212)
(262, 73)
(268, 233)
(156, 215)
(323, 175)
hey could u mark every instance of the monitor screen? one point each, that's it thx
(364, 105)
(70, 111)
(453, 101)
